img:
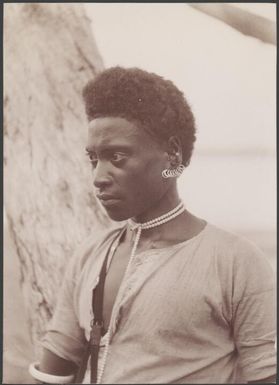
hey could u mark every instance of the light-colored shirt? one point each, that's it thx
(200, 311)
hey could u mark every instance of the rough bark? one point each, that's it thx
(49, 55)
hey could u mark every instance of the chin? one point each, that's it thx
(116, 214)
(117, 217)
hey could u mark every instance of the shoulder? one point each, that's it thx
(241, 262)
(231, 246)
(222, 239)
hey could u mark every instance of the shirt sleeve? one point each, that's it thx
(64, 336)
(254, 313)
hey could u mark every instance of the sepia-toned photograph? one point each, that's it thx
(139, 193)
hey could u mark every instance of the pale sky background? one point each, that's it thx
(224, 75)
(229, 80)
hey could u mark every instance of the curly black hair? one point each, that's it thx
(147, 99)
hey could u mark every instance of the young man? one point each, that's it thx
(183, 301)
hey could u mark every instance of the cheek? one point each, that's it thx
(148, 181)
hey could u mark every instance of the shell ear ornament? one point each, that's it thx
(173, 173)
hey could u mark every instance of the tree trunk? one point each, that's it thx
(49, 55)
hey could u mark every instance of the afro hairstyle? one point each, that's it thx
(146, 99)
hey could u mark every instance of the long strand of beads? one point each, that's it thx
(138, 227)
(106, 349)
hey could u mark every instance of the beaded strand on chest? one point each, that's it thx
(138, 227)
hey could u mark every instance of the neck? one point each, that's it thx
(164, 230)
(168, 202)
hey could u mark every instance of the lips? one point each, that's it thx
(107, 200)
(105, 197)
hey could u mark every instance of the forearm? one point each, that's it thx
(52, 369)
(52, 364)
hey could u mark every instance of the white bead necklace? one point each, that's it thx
(139, 227)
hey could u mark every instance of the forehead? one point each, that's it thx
(116, 131)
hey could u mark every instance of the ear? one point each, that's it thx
(174, 149)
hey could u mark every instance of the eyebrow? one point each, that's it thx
(110, 147)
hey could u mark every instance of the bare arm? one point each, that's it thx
(52, 364)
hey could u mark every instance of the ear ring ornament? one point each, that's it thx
(173, 173)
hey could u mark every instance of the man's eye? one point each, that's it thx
(117, 157)
(94, 162)
(92, 159)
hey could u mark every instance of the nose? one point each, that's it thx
(101, 177)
